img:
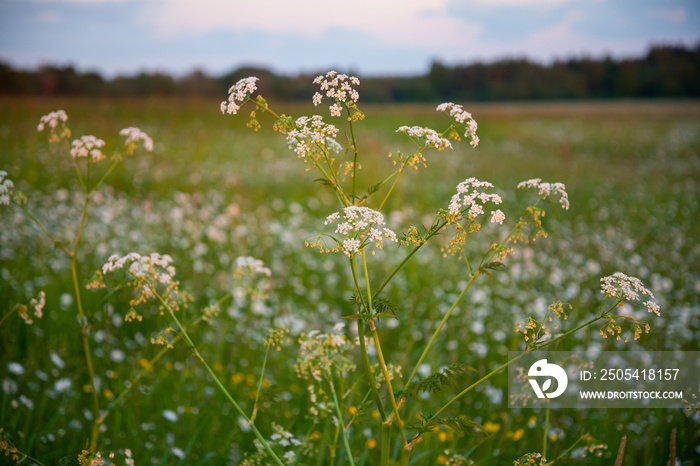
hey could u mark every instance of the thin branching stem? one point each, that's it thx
(218, 383)
(378, 347)
(363, 345)
(341, 424)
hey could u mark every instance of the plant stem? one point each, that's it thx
(386, 445)
(218, 383)
(380, 356)
(88, 358)
(363, 346)
(437, 331)
(567, 450)
(354, 148)
(12, 311)
(42, 228)
(546, 430)
(260, 382)
(392, 188)
(340, 415)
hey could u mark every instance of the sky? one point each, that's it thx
(366, 37)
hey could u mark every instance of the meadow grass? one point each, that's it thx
(214, 190)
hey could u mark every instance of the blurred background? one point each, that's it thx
(405, 51)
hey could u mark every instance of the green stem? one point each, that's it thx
(363, 346)
(340, 415)
(386, 445)
(42, 228)
(442, 324)
(218, 383)
(378, 347)
(88, 358)
(546, 430)
(106, 174)
(391, 189)
(568, 450)
(354, 148)
(12, 311)
(260, 382)
(391, 275)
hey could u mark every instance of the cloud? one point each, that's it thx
(408, 22)
(49, 16)
(675, 15)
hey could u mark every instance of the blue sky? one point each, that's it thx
(370, 37)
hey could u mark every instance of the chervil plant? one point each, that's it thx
(359, 231)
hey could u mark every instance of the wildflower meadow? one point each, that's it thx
(252, 282)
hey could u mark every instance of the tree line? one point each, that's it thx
(666, 71)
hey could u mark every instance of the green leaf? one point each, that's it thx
(460, 424)
(435, 382)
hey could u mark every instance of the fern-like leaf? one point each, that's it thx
(460, 424)
(436, 382)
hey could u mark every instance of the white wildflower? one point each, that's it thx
(497, 217)
(239, 92)
(312, 137)
(133, 136)
(547, 189)
(15, 368)
(358, 226)
(470, 199)
(87, 146)
(6, 186)
(426, 137)
(463, 117)
(340, 88)
(52, 120)
(624, 288)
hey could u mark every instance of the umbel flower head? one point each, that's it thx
(425, 137)
(358, 229)
(52, 120)
(470, 200)
(312, 137)
(133, 136)
(87, 146)
(338, 87)
(55, 121)
(624, 288)
(547, 189)
(147, 275)
(462, 117)
(238, 93)
(6, 186)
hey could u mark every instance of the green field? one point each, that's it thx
(214, 190)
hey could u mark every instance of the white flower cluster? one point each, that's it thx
(251, 266)
(546, 189)
(146, 271)
(623, 287)
(134, 135)
(461, 116)
(359, 229)
(426, 137)
(238, 93)
(339, 87)
(87, 146)
(319, 351)
(6, 186)
(471, 193)
(52, 120)
(312, 137)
